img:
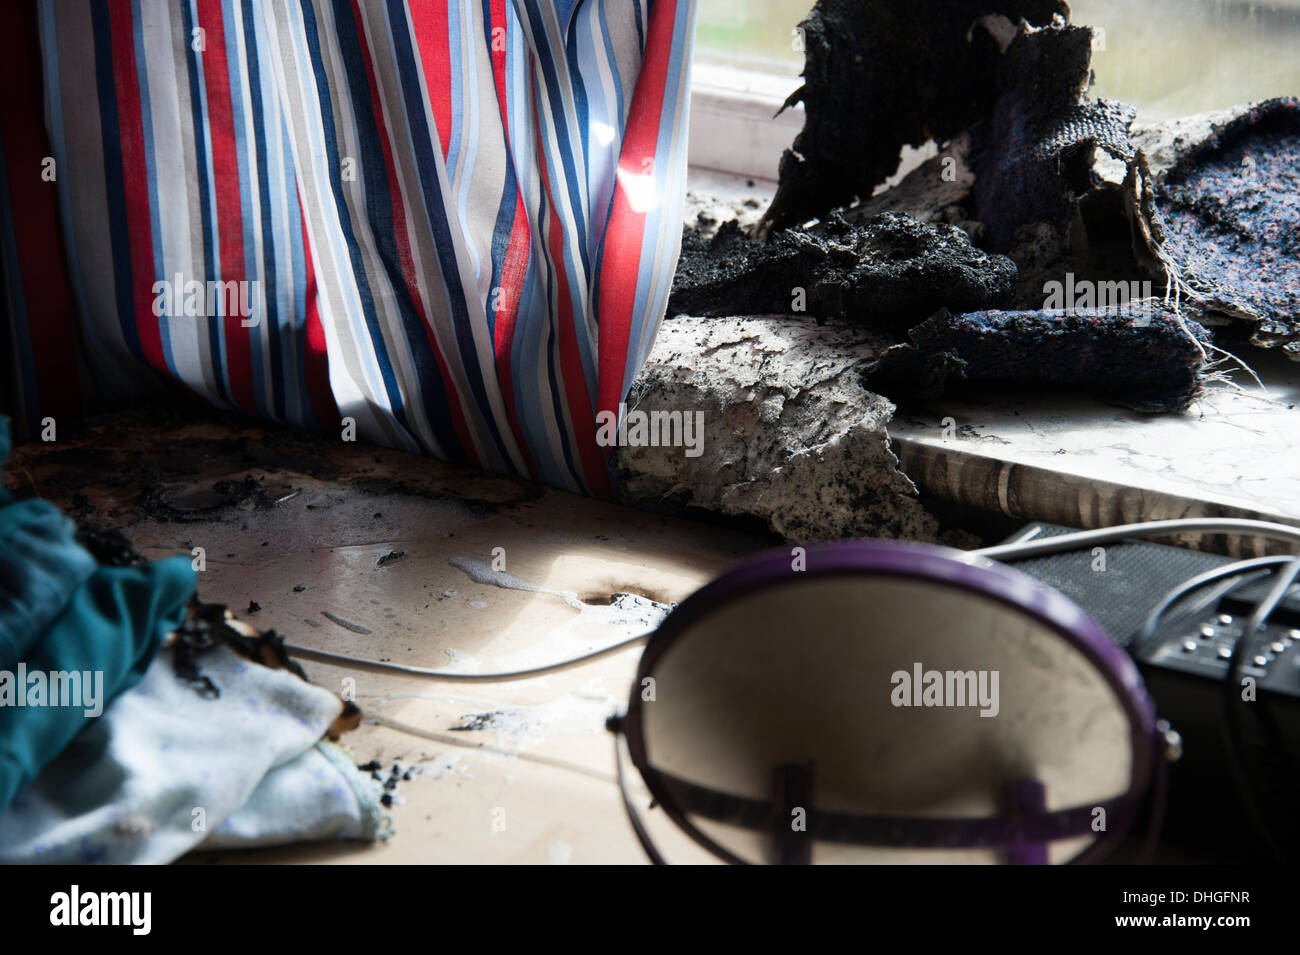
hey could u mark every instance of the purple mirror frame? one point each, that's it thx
(942, 566)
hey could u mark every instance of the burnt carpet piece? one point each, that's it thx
(890, 272)
(1057, 182)
(1050, 185)
(1050, 178)
(1092, 349)
(880, 74)
(1230, 221)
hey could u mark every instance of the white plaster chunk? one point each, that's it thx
(790, 435)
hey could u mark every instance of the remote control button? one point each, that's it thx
(1225, 653)
(1277, 646)
(1207, 631)
(1261, 660)
(1225, 619)
(1189, 646)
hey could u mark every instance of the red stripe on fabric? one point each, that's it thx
(431, 27)
(316, 362)
(405, 260)
(497, 21)
(225, 196)
(621, 258)
(51, 321)
(514, 267)
(135, 182)
(575, 382)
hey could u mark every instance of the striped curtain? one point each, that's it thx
(454, 222)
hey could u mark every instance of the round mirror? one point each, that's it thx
(872, 701)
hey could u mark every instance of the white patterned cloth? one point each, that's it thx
(166, 770)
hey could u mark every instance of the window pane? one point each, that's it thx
(1173, 57)
(1168, 57)
(755, 34)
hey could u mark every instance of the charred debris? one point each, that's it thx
(1036, 186)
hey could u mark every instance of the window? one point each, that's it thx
(1167, 57)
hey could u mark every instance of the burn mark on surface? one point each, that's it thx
(208, 625)
(108, 545)
(476, 722)
(476, 507)
(346, 624)
(606, 598)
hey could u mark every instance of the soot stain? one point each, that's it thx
(475, 722)
(603, 598)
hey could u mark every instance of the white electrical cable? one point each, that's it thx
(360, 663)
(1109, 535)
(1285, 578)
(1239, 572)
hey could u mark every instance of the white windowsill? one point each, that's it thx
(732, 129)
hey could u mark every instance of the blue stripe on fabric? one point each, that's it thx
(577, 477)
(470, 158)
(272, 403)
(526, 363)
(504, 223)
(564, 10)
(207, 208)
(291, 331)
(588, 45)
(576, 274)
(100, 377)
(650, 283)
(114, 189)
(392, 389)
(640, 25)
(298, 257)
(379, 206)
(15, 307)
(454, 70)
(444, 244)
(248, 166)
(546, 327)
(618, 112)
(561, 135)
(572, 51)
(151, 176)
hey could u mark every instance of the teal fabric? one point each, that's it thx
(41, 566)
(112, 626)
(60, 614)
(125, 790)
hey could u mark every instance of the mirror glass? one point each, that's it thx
(783, 718)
